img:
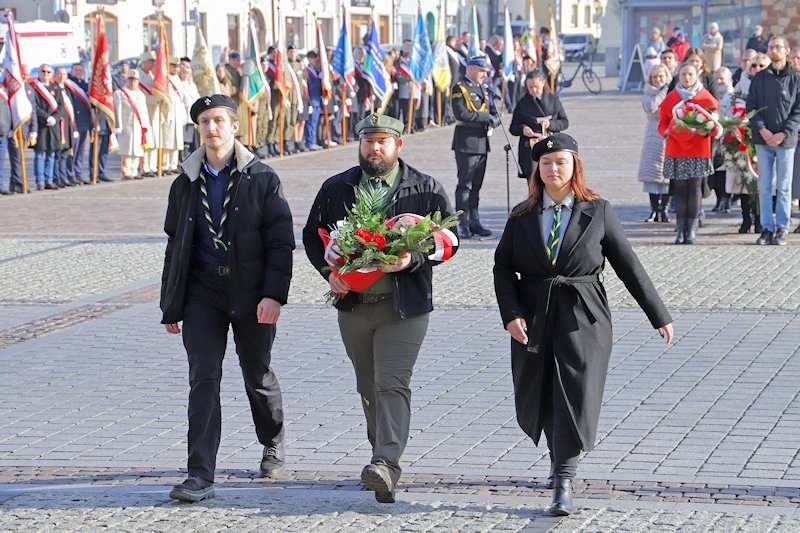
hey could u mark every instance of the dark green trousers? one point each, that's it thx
(383, 349)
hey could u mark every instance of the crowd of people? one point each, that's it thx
(746, 155)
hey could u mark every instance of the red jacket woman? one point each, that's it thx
(680, 141)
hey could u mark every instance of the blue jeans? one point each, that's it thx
(310, 132)
(3, 149)
(776, 164)
(61, 166)
(43, 165)
(75, 163)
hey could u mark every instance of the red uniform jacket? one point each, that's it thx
(680, 141)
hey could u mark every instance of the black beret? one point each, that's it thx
(557, 142)
(209, 102)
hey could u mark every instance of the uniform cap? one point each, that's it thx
(209, 102)
(478, 61)
(557, 142)
(375, 123)
(133, 73)
(146, 56)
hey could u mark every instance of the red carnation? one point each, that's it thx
(364, 234)
(379, 240)
(729, 138)
(742, 147)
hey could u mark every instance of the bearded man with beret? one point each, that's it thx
(228, 263)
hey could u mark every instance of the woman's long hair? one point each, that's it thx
(699, 53)
(536, 189)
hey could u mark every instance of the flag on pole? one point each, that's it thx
(253, 83)
(474, 42)
(325, 69)
(101, 90)
(374, 70)
(508, 48)
(343, 63)
(280, 63)
(530, 42)
(421, 61)
(554, 61)
(203, 73)
(441, 62)
(160, 73)
(13, 82)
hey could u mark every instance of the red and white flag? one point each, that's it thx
(160, 74)
(325, 68)
(101, 90)
(21, 108)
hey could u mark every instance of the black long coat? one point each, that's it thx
(49, 139)
(577, 326)
(525, 114)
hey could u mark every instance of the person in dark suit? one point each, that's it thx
(476, 115)
(537, 114)
(549, 285)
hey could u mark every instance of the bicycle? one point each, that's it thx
(590, 79)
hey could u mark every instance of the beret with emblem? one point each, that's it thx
(557, 142)
(375, 123)
(211, 101)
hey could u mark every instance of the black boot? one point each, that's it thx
(663, 212)
(475, 226)
(653, 209)
(463, 228)
(718, 204)
(690, 230)
(747, 220)
(726, 203)
(562, 498)
(680, 226)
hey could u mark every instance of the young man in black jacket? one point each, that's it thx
(384, 325)
(775, 94)
(228, 263)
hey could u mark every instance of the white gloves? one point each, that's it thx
(51, 121)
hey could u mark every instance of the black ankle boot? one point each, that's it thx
(653, 209)
(690, 230)
(562, 498)
(475, 225)
(680, 226)
(663, 212)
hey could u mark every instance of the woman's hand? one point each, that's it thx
(666, 331)
(527, 131)
(518, 330)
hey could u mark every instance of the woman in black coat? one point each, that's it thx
(549, 286)
(536, 111)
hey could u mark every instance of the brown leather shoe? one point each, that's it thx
(378, 479)
(51, 186)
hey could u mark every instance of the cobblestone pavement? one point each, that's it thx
(700, 436)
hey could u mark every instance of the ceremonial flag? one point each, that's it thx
(474, 42)
(421, 61)
(101, 90)
(253, 83)
(280, 64)
(203, 73)
(554, 61)
(325, 69)
(160, 75)
(508, 48)
(441, 63)
(343, 63)
(21, 108)
(530, 43)
(374, 71)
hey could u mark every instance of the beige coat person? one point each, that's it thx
(154, 107)
(174, 118)
(129, 129)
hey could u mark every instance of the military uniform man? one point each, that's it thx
(382, 326)
(475, 115)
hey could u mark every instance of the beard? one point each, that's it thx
(375, 168)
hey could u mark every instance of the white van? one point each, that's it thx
(44, 42)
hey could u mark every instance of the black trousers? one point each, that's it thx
(206, 319)
(15, 162)
(470, 169)
(562, 441)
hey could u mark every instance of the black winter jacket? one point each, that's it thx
(259, 229)
(779, 93)
(418, 193)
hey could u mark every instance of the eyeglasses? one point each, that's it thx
(758, 65)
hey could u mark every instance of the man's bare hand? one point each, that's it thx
(338, 286)
(403, 261)
(268, 311)
(172, 329)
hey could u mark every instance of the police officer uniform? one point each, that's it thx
(475, 114)
(382, 327)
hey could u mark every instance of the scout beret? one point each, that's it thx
(557, 142)
(209, 102)
(146, 56)
(375, 123)
(478, 61)
(133, 73)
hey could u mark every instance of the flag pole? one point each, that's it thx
(411, 107)
(439, 94)
(502, 93)
(95, 150)
(21, 143)
(280, 125)
(327, 124)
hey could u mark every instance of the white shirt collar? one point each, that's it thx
(568, 202)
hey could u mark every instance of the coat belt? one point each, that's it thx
(544, 312)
